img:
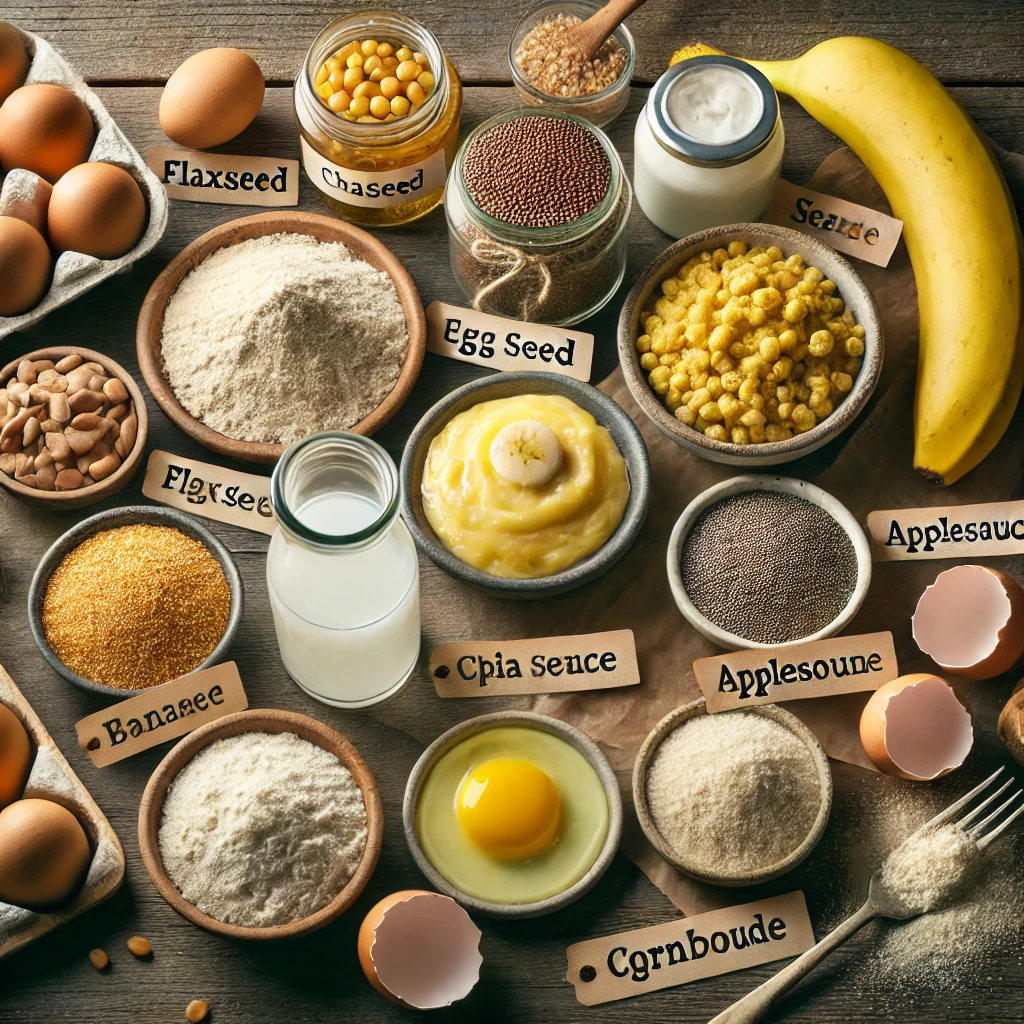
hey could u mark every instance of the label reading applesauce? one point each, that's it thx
(374, 188)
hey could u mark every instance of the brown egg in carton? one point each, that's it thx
(25, 195)
(52, 778)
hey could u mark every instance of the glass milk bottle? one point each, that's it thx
(342, 571)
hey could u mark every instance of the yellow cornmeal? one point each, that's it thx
(514, 531)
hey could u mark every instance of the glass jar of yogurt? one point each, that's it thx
(708, 146)
(342, 571)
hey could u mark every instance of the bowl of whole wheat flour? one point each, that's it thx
(273, 327)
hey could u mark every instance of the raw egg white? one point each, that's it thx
(420, 949)
(98, 209)
(212, 97)
(44, 854)
(970, 621)
(24, 266)
(512, 815)
(44, 128)
(15, 756)
(13, 60)
(916, 727)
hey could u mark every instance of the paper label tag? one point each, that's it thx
(551, 664)
(856, 230)
(676, 953)
(501, 344)
(241, 499)
(374, 188)
(218, 178)
(947, 531)
(161, 713)
(842, 664)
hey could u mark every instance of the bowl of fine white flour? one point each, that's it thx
(262, 825)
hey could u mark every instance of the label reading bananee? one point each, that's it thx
(847, 227)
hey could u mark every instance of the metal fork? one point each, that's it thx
(880, 903)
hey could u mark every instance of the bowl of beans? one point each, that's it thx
(762, 561)
(750, 344)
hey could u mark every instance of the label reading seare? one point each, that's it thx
(557, 664)
(217, 178)
(374, 188)
(241, 499)
(681, 951)
(503, 344)
(956, 531)
(844, 664)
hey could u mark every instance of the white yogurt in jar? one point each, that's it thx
(708, 146)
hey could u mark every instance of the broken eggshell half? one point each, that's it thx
(916, 727)
(970, 621)
(420, 949)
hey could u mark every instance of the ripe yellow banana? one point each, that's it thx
(960, 228)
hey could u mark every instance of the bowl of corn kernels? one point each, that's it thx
(750, 344)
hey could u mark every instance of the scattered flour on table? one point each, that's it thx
(262, 829)
(283, 336)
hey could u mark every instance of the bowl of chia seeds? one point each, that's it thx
(763, 561)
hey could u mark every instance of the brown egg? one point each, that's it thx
(13, 60)
(211, 98)
(916, 727)
(98, 209)
(15, 756)
(420, 949)
(44, 128)
(24, 266)
(44, 854)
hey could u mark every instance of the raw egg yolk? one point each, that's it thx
(509, 808)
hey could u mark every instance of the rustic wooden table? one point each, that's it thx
(127, 50)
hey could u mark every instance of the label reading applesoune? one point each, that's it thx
(374, 188)
(688, 949)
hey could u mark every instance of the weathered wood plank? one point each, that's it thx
(145, 40)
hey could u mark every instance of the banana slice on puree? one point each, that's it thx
(526, 452)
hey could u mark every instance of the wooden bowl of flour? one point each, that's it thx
(262, 720)
(149, 330)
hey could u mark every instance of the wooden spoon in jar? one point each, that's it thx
(590, 35)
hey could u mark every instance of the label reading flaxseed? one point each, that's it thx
(374, 188)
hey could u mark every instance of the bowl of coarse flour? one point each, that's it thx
(274, 327)
(263, 825)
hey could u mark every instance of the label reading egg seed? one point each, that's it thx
(553, 664)
(218, 178)
(950, 531)
(374, 188)
(685, 950)
(501, 344)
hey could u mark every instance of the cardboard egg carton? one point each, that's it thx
(24, 194)
(52, 778)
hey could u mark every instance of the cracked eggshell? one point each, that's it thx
(916, 727)
(970, 621)
(420, 949)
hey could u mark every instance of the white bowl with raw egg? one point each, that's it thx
(513, 814)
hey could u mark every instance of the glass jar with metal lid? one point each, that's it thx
(708, 146)
(379, 172)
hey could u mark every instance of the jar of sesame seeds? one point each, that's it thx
(377, 167)
(546, 74)
(537, 204)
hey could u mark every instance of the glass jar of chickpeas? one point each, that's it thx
(377, 106)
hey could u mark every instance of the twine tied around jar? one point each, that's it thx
(515, 263)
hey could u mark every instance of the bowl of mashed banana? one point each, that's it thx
(525, 484)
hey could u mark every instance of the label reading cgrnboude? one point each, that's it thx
(502, 344)
(241, 499)
(218, 178)
(551, 664)
(161, 713)
(843, 664)
(374, 188)
(676, 953)
(953, 531)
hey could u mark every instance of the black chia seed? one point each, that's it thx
(537, 172)
(769, 567)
